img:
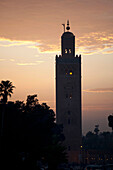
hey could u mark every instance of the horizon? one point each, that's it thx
(30, 39)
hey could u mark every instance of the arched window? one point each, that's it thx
(70, 50)
(66, 71)
(69, 148)
(65, 50)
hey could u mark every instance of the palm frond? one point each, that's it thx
(6, 88)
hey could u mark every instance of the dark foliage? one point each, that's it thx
(110, 119)
(31, 138)
(102, 141)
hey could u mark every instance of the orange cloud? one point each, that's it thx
(12, 60)
(87, 44)
(26, 64)
(4, 42)
(99, 90)
(108, 52)
(42, 20)
(96, 107)
(95, 42)
(42, 48)
(48, 48)
(30, 64)
(1, 59)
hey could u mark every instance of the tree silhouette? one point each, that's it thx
(6, 89)
(110, 119)
(102, 141)
(96, 130)
(32, 136)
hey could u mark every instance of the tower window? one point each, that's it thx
(68, 112)
(69, 148)
(70, 96)
(66, 50)
(68, 121)
(70, 50)
(66, 71)
(70, 73)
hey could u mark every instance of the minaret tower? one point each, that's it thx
(68, 94)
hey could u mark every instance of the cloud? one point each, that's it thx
(99, 90)
(86, 44)
(42, 48)
(49, 48)
(39, 61)
(30, 64)
(95, 42)
(26, 64)
(1, 59)
(12, 60)
(97, 107)
(42, 20)
(108, 52)
(4, 42)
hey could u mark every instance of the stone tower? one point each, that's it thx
(68, 94)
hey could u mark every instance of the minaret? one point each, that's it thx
(68, 94)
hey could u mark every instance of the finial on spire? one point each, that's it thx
(68, 27)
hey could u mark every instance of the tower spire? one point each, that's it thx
(68, 27)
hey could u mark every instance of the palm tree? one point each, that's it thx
(6, 89)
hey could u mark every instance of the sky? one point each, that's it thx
(30, 38)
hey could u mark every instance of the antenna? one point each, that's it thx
(64, 27)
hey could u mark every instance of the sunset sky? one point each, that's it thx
(30, 37)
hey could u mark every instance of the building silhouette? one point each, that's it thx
(68, 94)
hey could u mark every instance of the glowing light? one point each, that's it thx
(69, 50)
(70, 73)
(66, 51)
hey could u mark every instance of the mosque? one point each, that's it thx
(68, 94)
